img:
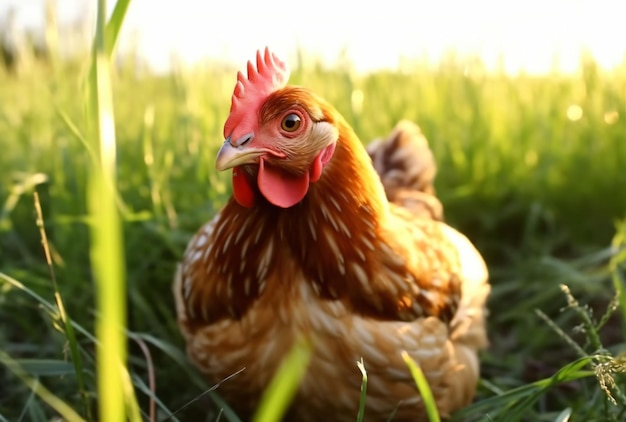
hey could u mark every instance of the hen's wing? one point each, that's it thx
(407, 169)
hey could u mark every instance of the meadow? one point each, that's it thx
(531, 168)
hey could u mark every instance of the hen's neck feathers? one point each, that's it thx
(337, 236)
(350, 176)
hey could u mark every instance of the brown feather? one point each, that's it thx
(358, 276)
(407, 170)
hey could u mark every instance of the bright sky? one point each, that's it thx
(374, 35)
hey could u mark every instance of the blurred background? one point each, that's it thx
(534, 36)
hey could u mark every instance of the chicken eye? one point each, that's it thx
(290, 123)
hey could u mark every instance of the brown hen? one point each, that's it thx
(313, 245)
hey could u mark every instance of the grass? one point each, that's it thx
(282, 388)
(422, 386)
(537, 185)
(116, 399)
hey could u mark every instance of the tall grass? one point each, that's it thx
(530, 167)
(116, 398)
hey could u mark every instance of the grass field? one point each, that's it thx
(532, 168)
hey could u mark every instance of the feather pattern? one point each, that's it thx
(407, 170)
(349, 268)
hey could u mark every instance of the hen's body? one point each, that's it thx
(357, 275)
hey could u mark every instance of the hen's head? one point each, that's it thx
(279, 138)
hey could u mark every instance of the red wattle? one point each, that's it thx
(279, 187)
(242, 190)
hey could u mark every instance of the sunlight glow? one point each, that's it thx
(536, 36)
(574, 112)
(611, 117)
(357, 100)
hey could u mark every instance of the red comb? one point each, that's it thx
(270, 74)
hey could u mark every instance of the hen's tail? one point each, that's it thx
(407, 169)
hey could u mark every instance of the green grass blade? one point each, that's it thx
(107, 262)
(515, 401)
(18, 189)
(27, 406)
(69, 124)
(52, 400)
(114, 26)
(423, 387)
(20, 286)
(564, 415)
(35, 411)
(141, 386)
(176, 355)
(46, 367)
(68, 329)
(209, 393)
(46, 305)
(618, 269)
(117, 400)
(361, 413)
(52, 367)
(133, 410)
(283, 387)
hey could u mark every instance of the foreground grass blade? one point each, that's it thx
(361, 413)
(115, 390)
(283, 387)
(113, 27)
(422, 385)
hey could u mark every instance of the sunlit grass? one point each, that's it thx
(422, 385)
(361, 415)
(283, 387)
(116, 398)
(531, 168)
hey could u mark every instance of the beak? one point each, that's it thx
(230, 156)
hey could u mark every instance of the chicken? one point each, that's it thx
(309, 247)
